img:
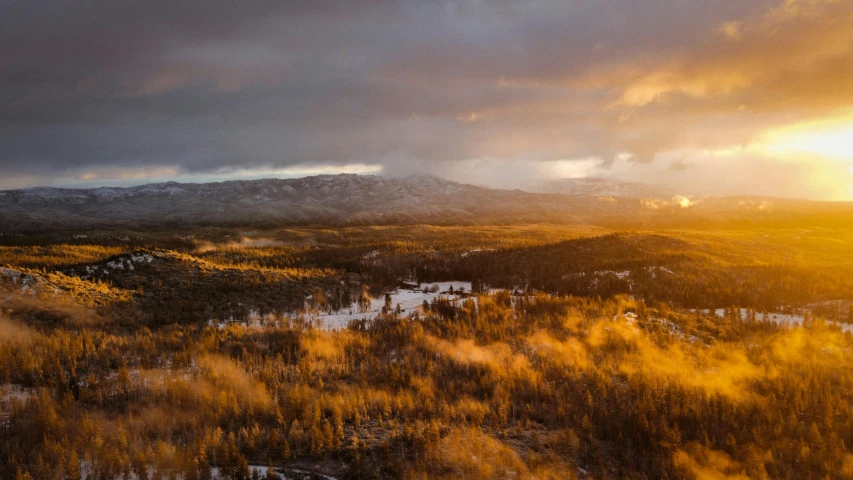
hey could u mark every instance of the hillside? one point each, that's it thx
(386, 352)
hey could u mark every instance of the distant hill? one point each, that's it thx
(374, 200)
(601, 187)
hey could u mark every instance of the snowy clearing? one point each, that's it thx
(408, 299)
(785, 319)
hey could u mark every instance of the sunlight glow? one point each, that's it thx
(830, 139)
(575, 168)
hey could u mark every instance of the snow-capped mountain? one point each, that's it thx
(324, 199)
(372, 200)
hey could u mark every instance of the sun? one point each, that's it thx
(828, 138)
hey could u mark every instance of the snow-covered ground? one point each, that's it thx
(127, 261)
(10, 393)
(408, 299)
(286, 474)
(13, 274)
(283, 474)
(27, 282)
(781, 318)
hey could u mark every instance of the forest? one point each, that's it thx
(575, 352)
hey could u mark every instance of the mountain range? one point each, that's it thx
(349, 199)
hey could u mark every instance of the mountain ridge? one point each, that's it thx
(350, 199)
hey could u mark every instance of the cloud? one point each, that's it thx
(732, 30)
(791, 48)
(125, 176)
(678, 165)
(204, 87)
(748, 169)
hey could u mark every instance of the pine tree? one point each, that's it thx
(271, 473)
(285, 450)
(241, 471)
(72, 466)
(23, 475)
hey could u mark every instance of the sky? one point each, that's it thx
(705, 97)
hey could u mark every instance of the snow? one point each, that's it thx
(10, 392)
(784, 319)
(671, 327)
(629, 317)
(160, 189)
(110, 193)
(408, 299)
(125, 262)
(283, 473)
(116, 264)
(26, 285)
(622, 275)
(48, 194)
(141, 257)
(13, 274)
(27, 282)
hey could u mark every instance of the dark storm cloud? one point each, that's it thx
(201, 86)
